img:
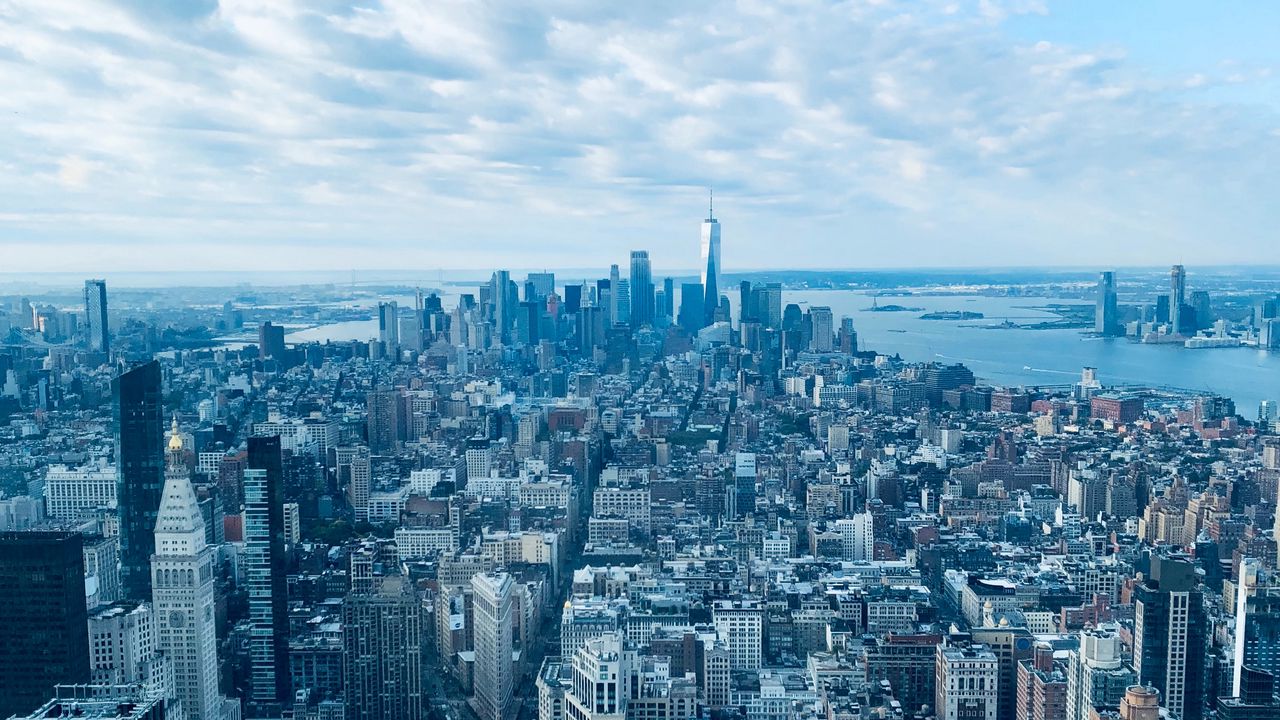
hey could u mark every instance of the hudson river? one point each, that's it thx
(1002, 356)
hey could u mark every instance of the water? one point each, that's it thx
(1046, 357)
(999, 356)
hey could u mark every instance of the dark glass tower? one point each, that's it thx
(265, 563)
(1169, 635)
(44, 631)
(139, 420)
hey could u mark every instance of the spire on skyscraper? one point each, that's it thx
(711, 203)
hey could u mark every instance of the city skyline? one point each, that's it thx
(347, 137)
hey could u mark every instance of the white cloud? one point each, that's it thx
(517, 133)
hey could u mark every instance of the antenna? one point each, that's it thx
(711, 203)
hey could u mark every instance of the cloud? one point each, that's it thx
(404, 132)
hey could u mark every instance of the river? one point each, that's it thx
(998, 355)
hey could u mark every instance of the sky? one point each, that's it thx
(321, 135)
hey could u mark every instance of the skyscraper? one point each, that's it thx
(614, 280)
(1106, 318)
(503, 306)
(382, 635)
(769, 305)
(270, 341)
(493, 605)
(744, 481)
(1177, 298)
(139, 421)
(1169, 637)
(820, 317)
(182, 577)
(710, 270)
(389, 326)
(44, 632)
(668, 299)
(95, 309)
(264, 547)
(641, 289)
(384, 411)
(692, 315)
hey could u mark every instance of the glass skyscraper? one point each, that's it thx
(139, 421)
(44, 631)
(710, 271)
(265, 570)
(95, 308)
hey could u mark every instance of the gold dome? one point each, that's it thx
(175, 438)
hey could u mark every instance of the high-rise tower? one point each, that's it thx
(1106, 321)
(1169, 637)
(710, 271)
(44, 635)
(264, 547)
(1177, 298)
(641, 289)
(95, 309)
(139, 422)
(182, 578)
(382, 633)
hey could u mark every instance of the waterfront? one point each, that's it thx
(1030, 357)
(1003, 356)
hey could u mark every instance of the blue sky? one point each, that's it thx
(324, 135)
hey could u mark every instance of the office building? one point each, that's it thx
(1168, 637)
(1096, 673)
(385, 410)
(1011, 645)
(355, 473)
(744, 482)
(1106, 315)
(740, 626)
(99, 702)
(691, 317)
(601, 681)
(1257, 627)
(95, 310)
(270, 341)
(140, 464)
(78, 494)
(125, 649)
(668, 310)
(44, 638)
(642, 290)
(821, 321)
(1254, 700)
(101, 570)
(183, 570)
(710, 270)
(383, 638)
(389, 327)
(1177, 299)
(967, 683)
(265, 569)
(493, 604)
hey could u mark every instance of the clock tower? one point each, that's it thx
(183, 593)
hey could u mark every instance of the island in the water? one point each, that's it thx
(891, 308)
(952, 315)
